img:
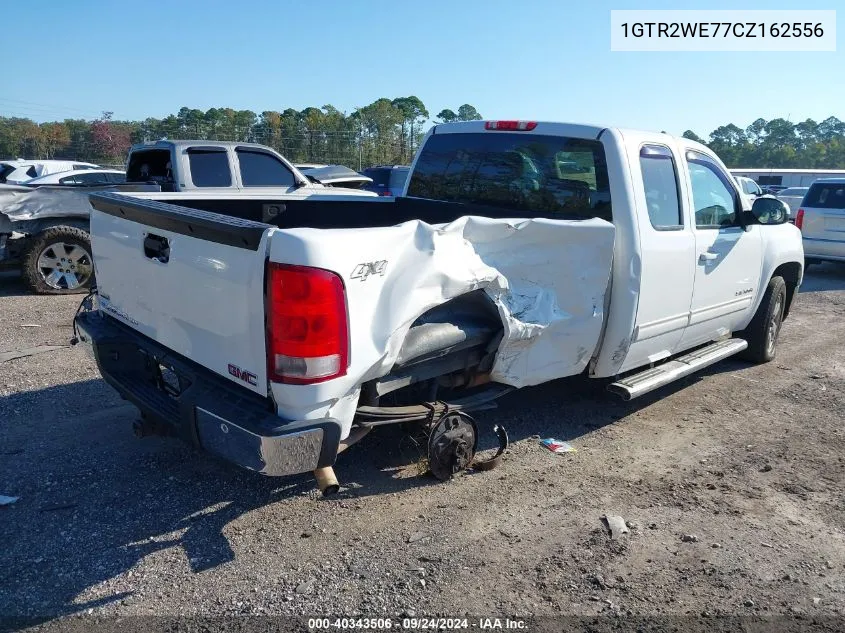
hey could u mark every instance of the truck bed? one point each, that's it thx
(334, 214)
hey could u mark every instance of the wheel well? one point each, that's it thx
(456, 339)
(790, 272)
(32, 228)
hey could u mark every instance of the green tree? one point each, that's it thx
(55, 137)
(414, 114)
(447, 116)
(468, 113)
(693, 137)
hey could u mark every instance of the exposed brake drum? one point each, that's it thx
(453, 443)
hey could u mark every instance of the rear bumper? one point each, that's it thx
(208, 410)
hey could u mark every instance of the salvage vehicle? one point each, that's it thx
(337, 176)
(277, 341)
(77, 177)
(18, 171)
(45, 231)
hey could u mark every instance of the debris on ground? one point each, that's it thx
(7, 501)
(689, 538)
(416, 536)
(616, 525)
(557, 446)
(52, 507)
(30, 325)
(29, 351)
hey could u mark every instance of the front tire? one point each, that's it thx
(763, 331)
(58, 261)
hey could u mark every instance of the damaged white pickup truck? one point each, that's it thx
(522, 252)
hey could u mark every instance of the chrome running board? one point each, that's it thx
(636, 385)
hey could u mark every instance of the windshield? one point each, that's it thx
(535, 175)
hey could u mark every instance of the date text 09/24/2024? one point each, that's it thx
(416, 624)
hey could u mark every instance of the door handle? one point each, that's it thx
(707, 256)
(157, 247)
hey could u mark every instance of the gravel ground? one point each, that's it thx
(731, 482)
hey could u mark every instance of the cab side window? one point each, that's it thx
(660, 182)
(259, 169)
(714, 200)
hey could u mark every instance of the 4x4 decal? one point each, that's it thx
(362, 271)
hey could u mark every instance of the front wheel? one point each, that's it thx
(763, 331)
(58, 261)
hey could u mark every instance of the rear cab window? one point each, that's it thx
(534, 175)
(660, 183)
(381, 177)
(398, 177)
(825, 195)
(149, 165)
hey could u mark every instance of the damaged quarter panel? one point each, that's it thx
(547, 278)
(22, 203)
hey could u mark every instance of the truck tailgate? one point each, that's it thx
(191, 280)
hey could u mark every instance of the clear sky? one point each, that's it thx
(535, 59)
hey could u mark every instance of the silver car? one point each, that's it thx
(821, 218)
(793, 197)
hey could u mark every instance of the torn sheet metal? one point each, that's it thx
(547, 278)
(21, 203)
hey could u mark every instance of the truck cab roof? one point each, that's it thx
(186, 143)
(552, 128)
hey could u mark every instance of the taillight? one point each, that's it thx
(386, 193)
(307, 331)
(510, 126)
(799, 218)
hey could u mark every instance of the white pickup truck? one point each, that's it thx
(44, 229)
(521, 252)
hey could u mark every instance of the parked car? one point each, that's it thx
(821, 218)
(276, 342)
(792, 196)
(750, 189)
(238, 178)
(773, 189)
(387, 180)
(80, 177)
(17, 171)
(337, 176)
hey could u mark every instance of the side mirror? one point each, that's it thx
(769, 210)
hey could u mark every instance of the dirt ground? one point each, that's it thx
(731, 482)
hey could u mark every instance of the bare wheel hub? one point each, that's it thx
(452, 445)
(65, 266)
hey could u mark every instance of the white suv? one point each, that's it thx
(821, 219)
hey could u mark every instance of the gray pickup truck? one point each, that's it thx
(45, 230)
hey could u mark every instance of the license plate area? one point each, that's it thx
(165, 376)
(169, 381)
